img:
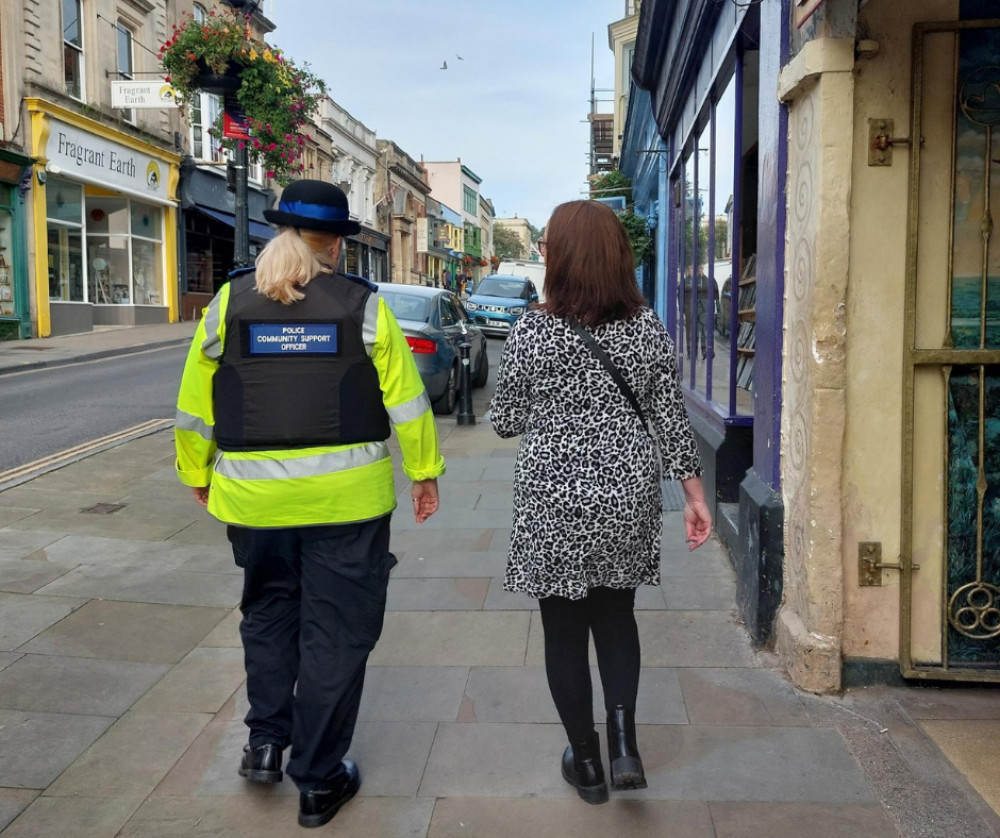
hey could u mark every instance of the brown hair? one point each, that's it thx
(589, 265)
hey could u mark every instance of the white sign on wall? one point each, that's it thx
(143, 94)
(102, 161)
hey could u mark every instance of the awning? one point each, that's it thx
(259, 231)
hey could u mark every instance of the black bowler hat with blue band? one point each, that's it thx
(314, 205)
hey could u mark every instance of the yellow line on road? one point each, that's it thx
(53, 461)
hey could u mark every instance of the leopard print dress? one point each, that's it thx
(587, 494)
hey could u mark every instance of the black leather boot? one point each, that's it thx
(582, 769)
(623, 753)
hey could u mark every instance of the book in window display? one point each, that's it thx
(746, 338)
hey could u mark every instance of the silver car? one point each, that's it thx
(435, 323)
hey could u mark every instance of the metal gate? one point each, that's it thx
(950, 535)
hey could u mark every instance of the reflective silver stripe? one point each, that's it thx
(315, 465)
(212, 345)
(188, 422)
(369, 327)
(410, 410)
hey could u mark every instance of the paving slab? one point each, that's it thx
(699, 593)
(951, 702)
(23, 616)
(429, 542)
(27, 575)
(497, 599)
(132, 756)
(521, 694)
(226, 633)
(779, 764)
(440, 638)
(202, 682)
(56, 684)
(451, 518)
(151, 527)
(203, 530)
(800, 820)
(677, 560)
(250, 816)
(148, 583)
(13, 802)
(496, 760)
(460, 594)
(127, 631)
(971, 746)
(450, 565)
(7, 658)
(96, 550)
(693, 638)
(80, 817)
(19, 544)
(740, 697)
(46, 744)
(33, 495)
(413, 693)
(492, 818)
(392, 756)
(10, 514)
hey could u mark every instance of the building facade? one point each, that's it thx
(401, 184)
(455, 184)
(820, 267)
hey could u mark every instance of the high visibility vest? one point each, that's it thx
(297, 375)
(292, 485)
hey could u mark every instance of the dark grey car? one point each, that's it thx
(435, 323)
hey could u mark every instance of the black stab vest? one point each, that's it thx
(295, 376)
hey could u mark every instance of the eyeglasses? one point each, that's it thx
(541, 245)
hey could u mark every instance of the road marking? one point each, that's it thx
(28, 471)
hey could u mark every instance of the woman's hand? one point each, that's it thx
(425, 499)
(697, 518)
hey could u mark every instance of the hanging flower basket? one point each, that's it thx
(220, 55)
(482, 263)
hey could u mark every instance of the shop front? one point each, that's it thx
(367, 255)
(208, 209)
(104, 225)
(15, 308)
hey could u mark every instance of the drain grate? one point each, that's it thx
(104, 508)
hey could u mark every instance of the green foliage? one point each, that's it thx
(638, 234)
(612, 184)
(507, 244)
(276, 96)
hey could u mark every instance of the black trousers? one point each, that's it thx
(609, 614)
(313, 606)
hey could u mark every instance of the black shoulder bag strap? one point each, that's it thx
(608, 364)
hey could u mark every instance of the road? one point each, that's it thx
(49, 410)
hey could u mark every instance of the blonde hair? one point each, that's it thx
(289, 261)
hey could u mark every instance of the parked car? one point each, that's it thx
(498, 300)
(434, 323)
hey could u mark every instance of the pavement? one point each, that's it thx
(122, 687)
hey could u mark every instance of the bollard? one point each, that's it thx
(466, 415)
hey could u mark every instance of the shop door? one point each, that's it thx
(950, 537)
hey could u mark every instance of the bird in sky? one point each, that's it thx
(459, 57)
(444, 65)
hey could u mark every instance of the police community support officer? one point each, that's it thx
(291, 383)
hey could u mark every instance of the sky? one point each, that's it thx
(513, 106)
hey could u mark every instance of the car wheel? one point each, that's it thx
(444, 404)
(483, 370)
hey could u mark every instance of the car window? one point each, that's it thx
(447, 315)
(407, 307)
(458, 311)
(490, 287)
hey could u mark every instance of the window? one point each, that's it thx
(198, 12)
(469, 201)
(204, 113)
(124, 252)
(64, 211)
(72, 28)
(125, 59)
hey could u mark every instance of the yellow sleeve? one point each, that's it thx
(194, 423)
(405, 399)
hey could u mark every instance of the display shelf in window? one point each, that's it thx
(746, 315)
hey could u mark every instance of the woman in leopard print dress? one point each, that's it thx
(587, 511)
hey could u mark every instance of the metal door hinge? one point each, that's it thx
(870, 564)
(881, 141)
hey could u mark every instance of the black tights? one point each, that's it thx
(608, 613)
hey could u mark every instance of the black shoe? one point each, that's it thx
(623, 753)
(261, 764)
(582, 769)
(318, 807)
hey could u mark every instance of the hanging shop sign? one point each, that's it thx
(89, 157)
(156, 93)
